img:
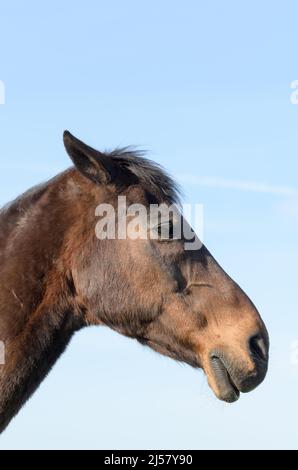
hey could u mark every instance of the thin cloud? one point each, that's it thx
(240, 185)
(289, 208)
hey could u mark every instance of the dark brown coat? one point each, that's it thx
(57, 277)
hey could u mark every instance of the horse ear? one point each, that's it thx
(94, 165)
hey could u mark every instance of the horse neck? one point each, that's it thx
(38, 309)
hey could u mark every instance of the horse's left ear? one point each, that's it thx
(94, 165)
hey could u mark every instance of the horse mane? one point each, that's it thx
(152, 176)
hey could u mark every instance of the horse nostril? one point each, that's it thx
(258, 347)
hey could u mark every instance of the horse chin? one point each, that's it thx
(222, 383)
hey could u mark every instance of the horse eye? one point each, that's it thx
(166, 231)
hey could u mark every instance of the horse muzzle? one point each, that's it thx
(229, 375)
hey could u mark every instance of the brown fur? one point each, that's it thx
(57, 277)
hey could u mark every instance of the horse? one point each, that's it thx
(57, 276)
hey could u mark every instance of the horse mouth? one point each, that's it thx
(227, 390)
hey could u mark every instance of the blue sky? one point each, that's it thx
(205, 87)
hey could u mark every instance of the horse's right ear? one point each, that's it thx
(94, 165)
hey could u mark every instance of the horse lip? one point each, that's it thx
(228, 391)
